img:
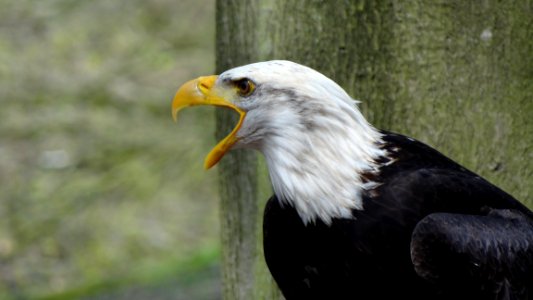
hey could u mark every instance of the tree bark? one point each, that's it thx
(243, 190)
(457, 75)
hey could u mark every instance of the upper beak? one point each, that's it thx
(201, 91)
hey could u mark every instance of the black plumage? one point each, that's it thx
(431, 230)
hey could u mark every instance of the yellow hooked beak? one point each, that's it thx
(201, 91)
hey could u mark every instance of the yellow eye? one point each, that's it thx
(244, 86)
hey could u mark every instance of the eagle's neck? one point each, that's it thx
(316, 165)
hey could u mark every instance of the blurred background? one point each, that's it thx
(102, 196)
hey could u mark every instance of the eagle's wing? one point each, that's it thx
(475, 256)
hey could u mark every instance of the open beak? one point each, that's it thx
(201, 91)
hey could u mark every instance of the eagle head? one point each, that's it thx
(315, 141)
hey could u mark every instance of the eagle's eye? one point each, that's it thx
(245, 86)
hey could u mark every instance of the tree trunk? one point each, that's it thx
(457, 75)
(243, 190)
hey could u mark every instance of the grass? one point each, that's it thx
(184, 271)
(95, 179)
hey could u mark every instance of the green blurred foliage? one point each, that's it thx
(95, 179)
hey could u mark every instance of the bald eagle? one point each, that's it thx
(358, 212)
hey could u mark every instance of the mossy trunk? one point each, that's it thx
(243, 189)
(457, 75)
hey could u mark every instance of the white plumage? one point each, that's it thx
(315, 140)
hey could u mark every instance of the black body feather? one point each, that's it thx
(430, 230)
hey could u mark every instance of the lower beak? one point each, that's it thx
(201, 91)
